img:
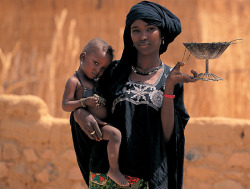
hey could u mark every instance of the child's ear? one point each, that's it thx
(82, 55)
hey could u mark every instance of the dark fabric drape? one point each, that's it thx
(174, 148)
(83, 147)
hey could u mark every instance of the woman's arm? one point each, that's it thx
(167, 110)
(89, 123)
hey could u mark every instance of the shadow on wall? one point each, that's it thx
(45, 73)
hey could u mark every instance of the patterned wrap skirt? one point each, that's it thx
(102, 181)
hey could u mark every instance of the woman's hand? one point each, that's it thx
(176, 76)
(89, 124)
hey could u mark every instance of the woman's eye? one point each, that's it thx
(151, 29)
(135, 31)
(96, 63)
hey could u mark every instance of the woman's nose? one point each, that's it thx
(143, 35)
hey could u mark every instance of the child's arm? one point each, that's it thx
(69, 104)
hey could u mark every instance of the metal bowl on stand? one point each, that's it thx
(208, 51)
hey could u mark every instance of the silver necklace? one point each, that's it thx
(146, 73)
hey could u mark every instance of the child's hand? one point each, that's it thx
(91, 102)
(94, 101)
(101, 101)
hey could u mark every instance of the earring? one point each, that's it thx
(163, 42)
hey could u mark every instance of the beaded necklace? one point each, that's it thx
(146, 73)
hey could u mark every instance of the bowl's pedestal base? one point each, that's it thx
(208, 77)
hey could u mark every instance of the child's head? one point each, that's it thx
(95, 58)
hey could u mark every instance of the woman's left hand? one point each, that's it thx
(176, 76)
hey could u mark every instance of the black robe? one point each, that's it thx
(92, 155)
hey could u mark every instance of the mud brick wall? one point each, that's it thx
(36, 149)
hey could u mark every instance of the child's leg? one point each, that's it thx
(113, 135)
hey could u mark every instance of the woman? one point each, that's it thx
(145, 99)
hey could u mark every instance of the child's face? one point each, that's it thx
(94, 64)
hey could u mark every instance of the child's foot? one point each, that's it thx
(118, 177)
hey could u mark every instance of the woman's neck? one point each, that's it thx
(147, 63)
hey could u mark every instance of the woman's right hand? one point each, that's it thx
(176, 76)
(89, 124)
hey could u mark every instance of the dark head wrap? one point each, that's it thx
(151, 13)
(154, 14)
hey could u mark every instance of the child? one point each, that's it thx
(79, 92)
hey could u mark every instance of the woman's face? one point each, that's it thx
(146, 38)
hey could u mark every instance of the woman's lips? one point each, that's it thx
(143, 44)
